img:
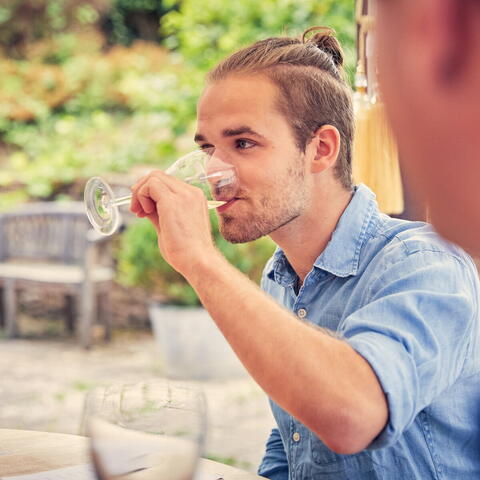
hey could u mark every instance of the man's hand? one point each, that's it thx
(180, 215)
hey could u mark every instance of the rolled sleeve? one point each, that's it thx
(415, 331)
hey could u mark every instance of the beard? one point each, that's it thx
(284, 201)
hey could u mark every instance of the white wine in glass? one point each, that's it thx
(201, 168)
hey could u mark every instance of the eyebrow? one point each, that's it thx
(231, 132)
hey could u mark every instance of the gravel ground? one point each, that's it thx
(44, 381)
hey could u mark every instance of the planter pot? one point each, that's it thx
(191, 345)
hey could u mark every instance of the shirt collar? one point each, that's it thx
(341, 256)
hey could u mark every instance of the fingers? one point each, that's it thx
(157, 188)
(179, 213)
(146, 192)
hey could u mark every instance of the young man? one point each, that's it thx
(374, 375)
(429, 62)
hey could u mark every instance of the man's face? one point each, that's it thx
(237, 117)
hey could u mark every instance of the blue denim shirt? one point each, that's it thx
(407, 301)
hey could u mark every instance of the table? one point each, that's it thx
(27, 451)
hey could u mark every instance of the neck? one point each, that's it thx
(305, 238)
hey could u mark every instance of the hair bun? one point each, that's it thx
(324, 39)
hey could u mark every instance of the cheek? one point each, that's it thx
(255, 173)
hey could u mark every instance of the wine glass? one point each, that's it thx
(148, 430)
(201, 168)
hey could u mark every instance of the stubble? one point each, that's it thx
(284, 200)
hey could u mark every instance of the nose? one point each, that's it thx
(222, 176)
(216, 160)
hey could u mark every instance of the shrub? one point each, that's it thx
(93, 114)
(205, 32)
(141, 77)
(128, 20)
(22, 23)
(64, 149)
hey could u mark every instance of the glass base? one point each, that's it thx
(99, 204)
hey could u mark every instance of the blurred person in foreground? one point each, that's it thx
(429, 64)
(366, 341)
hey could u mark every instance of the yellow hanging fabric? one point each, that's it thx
(375, 155)
(361, 148)
(385, 174)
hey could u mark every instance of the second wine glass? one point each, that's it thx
(149, 430)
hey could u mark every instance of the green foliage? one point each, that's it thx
(128, 20)
(24, 22)
(64, 148)
(140, 263)
(205, 32)
(9, 200)
(249, 258)
(138, 78)
(95, 113)
(232, 461)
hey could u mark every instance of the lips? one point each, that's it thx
(227, 205)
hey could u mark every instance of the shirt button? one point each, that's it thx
(302, 313)
(296, 437)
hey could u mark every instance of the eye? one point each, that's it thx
(244, 144)
(206, 146)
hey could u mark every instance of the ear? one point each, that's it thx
(324, 148)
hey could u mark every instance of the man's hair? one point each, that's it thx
(313, 89)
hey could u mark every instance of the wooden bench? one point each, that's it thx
(53, 245)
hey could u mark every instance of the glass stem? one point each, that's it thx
(121, 201)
